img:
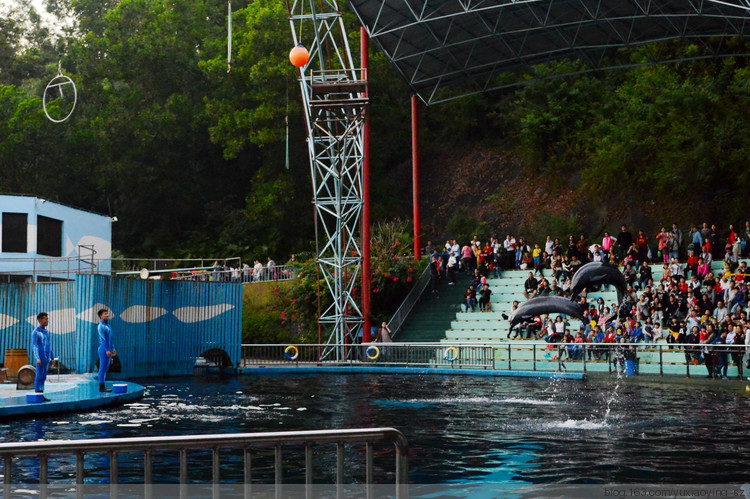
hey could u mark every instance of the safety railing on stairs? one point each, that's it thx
(399, 317)
(247, 443)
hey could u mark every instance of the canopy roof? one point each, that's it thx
(466, 45)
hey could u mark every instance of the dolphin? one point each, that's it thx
(544, 305)
(593, 275)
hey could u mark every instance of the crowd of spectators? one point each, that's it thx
(219, 272)
(687, 304)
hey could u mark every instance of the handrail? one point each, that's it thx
(238, 275)
(524, 355)
(113, 446)
(504, 343)
(66, 267)
(403, 311)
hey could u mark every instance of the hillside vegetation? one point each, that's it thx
(191, 158)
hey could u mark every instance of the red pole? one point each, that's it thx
(366, 267)
(415, 174)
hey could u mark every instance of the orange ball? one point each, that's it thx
(299, 56)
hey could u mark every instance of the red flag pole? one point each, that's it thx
(415, 174)
(366, 267)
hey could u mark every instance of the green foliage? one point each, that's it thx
(552, 113)
(191, 158)
(463, 227)
(554, 225)
(670, 135)
(291, 313)
(298, 308)
(145, 142)
(393, 269)
(262, 325)
(251, 103)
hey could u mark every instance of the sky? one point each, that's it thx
(48, 20)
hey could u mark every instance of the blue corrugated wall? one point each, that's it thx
(160, 327)
(19, 305)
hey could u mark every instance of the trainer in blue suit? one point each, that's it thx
(42, 349)
(106, 348)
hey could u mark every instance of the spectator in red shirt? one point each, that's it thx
(692, 264)
(642, 242)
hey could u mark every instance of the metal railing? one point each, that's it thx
(652, 358)
(237, 275)
(245, 442)
(65, 268)
(400, 316)
(477, 356)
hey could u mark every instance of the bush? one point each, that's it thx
(291, 314)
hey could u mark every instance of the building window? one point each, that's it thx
(48, 236)
(15, 228)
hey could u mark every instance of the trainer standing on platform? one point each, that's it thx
(42, 348)
(106, 348)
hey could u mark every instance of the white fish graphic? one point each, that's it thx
(7, 321)
(90, 314)
(142, 313)
(60, 321)
(198, 314)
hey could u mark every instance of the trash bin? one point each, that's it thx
(629, 368)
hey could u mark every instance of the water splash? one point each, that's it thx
(95, 422)
(577, 424)
(465, 400)
(554, 387)
(613, 394)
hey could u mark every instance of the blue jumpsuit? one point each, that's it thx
(42, 349)
(105, 345)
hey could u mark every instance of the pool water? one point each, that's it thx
(462, 429)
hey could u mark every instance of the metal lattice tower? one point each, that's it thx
(334, 98)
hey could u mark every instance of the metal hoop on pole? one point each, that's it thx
(58, 82)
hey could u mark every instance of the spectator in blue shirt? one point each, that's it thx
(697, 240)
(636, 336)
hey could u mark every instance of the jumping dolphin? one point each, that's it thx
(593, 275)
(544, 305)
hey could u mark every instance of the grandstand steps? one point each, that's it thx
(442, 316)
(433, 313)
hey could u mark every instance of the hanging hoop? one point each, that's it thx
(58, 82)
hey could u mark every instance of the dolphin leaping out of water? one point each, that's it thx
(593, 275)
(544, 305)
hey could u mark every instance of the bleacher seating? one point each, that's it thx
(490, 326)
(435, 312)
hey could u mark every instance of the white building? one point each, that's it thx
(42, 241)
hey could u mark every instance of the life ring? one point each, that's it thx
(370, 349)
(294, 352)
(451, 354)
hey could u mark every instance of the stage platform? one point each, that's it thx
(71, 393)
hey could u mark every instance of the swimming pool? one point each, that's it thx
(514, 432)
